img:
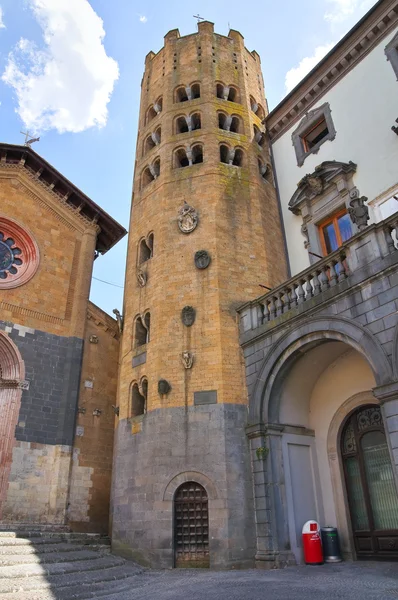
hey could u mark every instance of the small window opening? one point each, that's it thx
(232, 95)
(195, 89)
(138, 399)
(222, 120)
(147, 177)
(263, 169)
(151, 114)
(224, 154)
(158, 136)
(235, 125)
(238, 158)
(146, 249)
(220, 91)
(141, 334)
(315, 135)
(197, 154)
(149, 144)
(196, 122)
(181, 95)
(156, 168)
(159, 105)
(181, 159)
(181, 125)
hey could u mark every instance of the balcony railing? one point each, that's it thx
(375, 242)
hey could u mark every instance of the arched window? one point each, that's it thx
(224, 154)
(227, 92)
(141, 329)
(181, 125)
(195, 90)
(259, 136)
(180, 94)
(197, 154)
(220, 91)
(139, 398)
(196, 121)
(145, 249)
(156, 167)
(158, 106)
(235, 125)
(233, 95)
(181, 158)
(260, 112)
(263, 169)
(257, 108)
(238, 158)
(149, 144)
(150, 114)
(222, 120)
(147, 177)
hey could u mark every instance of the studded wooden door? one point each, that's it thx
(191, 526)
(370, 485)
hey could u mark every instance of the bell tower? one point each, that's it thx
(205, 232)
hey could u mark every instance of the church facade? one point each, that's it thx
(251, 383)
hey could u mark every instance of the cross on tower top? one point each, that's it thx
(199, 18)
(28, 139)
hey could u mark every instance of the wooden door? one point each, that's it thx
(191, 526)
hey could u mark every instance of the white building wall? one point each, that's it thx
(364, 106)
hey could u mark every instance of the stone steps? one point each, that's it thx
(39, 565)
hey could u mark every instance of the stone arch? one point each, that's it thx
(12, 371)
(181, 478)
(264, 406)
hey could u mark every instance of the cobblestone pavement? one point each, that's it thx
(362, 580)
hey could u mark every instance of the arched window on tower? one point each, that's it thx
(224, 154)
(220, 91)
(195, 90)
(149, 144)
(139, 396)
(141, 329)
(181, 125)
(158, 106)
(180, 94)
(150, 114)
(145, 249)
(263, 169)
(235, 124)
(257, 108)
(180, 158)
(146, 178)
(156, 167)
(196, 121)
(259, 136)
(197, 154)
(238, 158)
(233, 94)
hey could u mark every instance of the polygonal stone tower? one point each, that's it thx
(205, 232)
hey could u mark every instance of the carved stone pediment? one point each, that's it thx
(314, 184)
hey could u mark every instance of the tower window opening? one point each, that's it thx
(197, 154)
(181, 94)
(233, 95)
(259, 136)
(149, 144)
(238, 158)
(181, 158)
(195, 89)
(146, 249)
(138, 399)
(151, 114)
(147, 177)
(235, 125)
(159, 105)
(196, 121)
(181, 125)
(141, 333)
(156, 168)
(227, 92)
(224, 154)
(257, 108)
(222, 120)
(263, 169)
(220, 91)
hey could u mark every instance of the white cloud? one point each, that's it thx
(143, 19)
(343, 10)
(296, 74)
(2, 26)
(67, 84)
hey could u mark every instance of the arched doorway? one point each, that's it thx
(191, 526)
(12, 371)
(370, 486)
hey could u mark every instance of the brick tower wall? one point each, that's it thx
(239, 227)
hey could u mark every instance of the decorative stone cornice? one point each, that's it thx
(103, 320)
(341, 59)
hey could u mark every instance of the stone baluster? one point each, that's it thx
(308, 288)
(292, 297)
(301, 293)
(266, 315)
(332, 274)
(341, 269)
(324, 279)
(272, 309)
(317, 284)
(279, 305)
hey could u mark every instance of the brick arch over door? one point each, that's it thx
(12, 369)
(264, 403)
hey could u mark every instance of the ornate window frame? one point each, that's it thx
(391, 52)
(28, 253)
(311, 118)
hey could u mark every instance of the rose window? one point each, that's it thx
(19, 254)
(9, 256)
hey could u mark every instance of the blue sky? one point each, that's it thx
(71, 71)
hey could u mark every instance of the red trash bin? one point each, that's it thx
(312, 544)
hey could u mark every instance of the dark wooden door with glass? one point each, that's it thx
(370, 484)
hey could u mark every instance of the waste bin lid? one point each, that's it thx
(310, 527)
(329, 529)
